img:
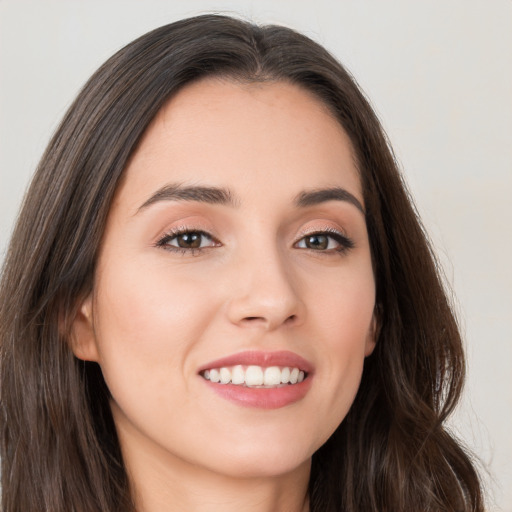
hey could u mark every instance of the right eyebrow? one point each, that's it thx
(179, 192)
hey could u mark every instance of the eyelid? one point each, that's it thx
(346, 243)
(326, 230)
(181, 230)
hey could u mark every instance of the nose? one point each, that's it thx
(265, 293)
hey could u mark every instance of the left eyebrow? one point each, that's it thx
(318, 196)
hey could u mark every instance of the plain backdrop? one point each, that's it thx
(439, 74)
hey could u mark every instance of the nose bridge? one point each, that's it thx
(265, 293)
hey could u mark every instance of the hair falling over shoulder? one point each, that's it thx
(59, 449)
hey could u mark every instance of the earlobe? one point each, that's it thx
(83, 338)
(373, 333)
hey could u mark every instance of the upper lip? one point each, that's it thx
(260, 358)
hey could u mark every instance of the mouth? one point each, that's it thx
(264, 380)
(254, 376)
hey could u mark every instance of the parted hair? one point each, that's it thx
(59, 448)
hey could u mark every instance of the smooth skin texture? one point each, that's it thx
(254, 271)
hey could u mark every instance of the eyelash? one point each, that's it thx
(345, 243)
(164, 241)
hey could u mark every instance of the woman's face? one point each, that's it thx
(235, 249)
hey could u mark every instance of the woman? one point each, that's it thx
(218, 295)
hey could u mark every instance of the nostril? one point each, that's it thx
(291, 319)
(252, 318)
(261, 319)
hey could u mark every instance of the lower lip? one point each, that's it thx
(262, 398)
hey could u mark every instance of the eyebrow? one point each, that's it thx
(223, 196)
(178, 192)
(314, 197)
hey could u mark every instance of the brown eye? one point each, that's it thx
(320, 242)
(187, 240)
(325, 241)
(191, 240)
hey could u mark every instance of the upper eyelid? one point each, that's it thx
(173, 233)
(299, 234)
(179, 230)
(328, 233)
(325, 229)
(322, 230)
(339, 235)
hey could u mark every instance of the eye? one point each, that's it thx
(187, 240)
(323, 241)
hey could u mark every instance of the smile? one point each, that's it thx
(255, 376)
(259, 379)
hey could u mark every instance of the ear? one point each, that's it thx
(83, 338)
(373, 332)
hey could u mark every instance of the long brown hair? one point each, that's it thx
(59, 447)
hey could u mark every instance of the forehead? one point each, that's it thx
(245, 135)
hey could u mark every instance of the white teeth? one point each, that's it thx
(225, 376)
(253, 375)
(272, 376)
(237, 375)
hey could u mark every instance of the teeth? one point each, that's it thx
(237, 375)
(256, 376)
(272, 376)
(225, 376)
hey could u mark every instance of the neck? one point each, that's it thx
(213, 494)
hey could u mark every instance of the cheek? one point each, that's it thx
(344, 318)
(146, 323)
(343, 307)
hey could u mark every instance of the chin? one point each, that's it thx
(274, 458)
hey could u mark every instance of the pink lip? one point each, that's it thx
(262, 398)
(258, 358)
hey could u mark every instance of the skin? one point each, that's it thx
(158, 313)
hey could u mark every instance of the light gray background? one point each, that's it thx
(439, 74)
